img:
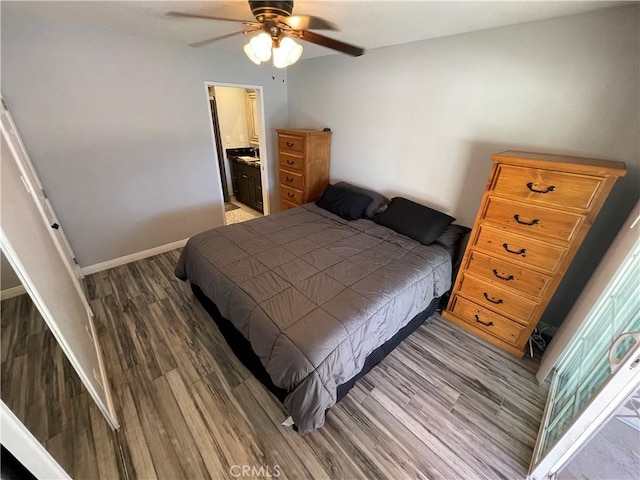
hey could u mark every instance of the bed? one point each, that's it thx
(314, 299)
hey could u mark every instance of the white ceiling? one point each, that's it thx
(369, 24)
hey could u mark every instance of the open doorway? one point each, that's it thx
(237, 123)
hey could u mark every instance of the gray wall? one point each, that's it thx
(118, 129)
(421, 120)
(8, 278)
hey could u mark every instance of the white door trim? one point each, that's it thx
(266, 202)
(264, 154)
(16, 438)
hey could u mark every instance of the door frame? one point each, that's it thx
(215, 118)
(264, 155)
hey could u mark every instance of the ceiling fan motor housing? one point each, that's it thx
(274, 19)
(271, 9)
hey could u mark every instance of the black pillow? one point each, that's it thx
(414, 220)
(347, 204)
(454, 239)
(377, 200)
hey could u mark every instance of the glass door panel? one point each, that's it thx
(614, 451)
(586, 369)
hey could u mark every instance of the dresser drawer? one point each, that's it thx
(290, 142)
(488, 321)
(508, 274)
(518, 248)
(290, 161)
(532, 219)
(291, 179)
(284, 205)
(290, 194)
(547, 187)
(499, 299)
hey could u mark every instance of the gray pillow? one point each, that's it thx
(454, 239)
(378, 200)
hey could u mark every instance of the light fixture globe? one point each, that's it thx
(252, 57)
(287, 54)
(260, 46)
(295, 50)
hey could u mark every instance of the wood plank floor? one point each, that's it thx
(442, 405)
(41, 388)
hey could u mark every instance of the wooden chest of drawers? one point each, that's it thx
(303, 157)
(534, 215)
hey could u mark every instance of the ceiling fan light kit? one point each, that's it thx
(260, 47)
(287, 53)
(252, 57)
(277, 26)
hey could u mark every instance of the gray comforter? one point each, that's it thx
(314, 294)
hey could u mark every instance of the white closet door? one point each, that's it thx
(30, 247)
(47, 211)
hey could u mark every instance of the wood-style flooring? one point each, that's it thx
(41, 388)
(442, 405)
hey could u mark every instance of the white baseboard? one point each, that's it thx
(12, 292)
(134, 257)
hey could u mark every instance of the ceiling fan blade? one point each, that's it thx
(215, 39)
(308, 22)
(318, 39)
(207, 17)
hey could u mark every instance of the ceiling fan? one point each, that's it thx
(276, 28)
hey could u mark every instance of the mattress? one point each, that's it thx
(314, 294)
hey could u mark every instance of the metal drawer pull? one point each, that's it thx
(291, 195)
(488, 297)
(522, 251)
(550, 188)
(510, 277)
(290, 144)
(244, 176)
(535, 221)
(490, 324)
(289, 179)
(290, 162)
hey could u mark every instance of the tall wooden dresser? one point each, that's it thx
(534, 215)
(303, 156)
